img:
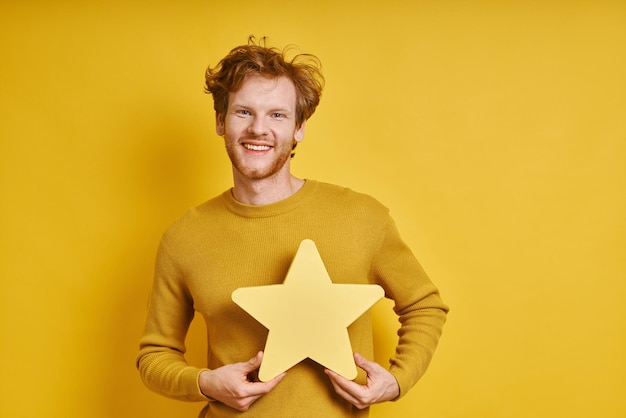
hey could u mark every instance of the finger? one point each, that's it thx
(252, 369)
(347, 394)
(370, 367)
(255, 390)
(345, 388)
(270, 384)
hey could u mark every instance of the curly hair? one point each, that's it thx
(256, 58)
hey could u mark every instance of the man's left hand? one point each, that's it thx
(381, 386)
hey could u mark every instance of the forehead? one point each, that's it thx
(258, 90)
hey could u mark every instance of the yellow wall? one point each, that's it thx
(495, 132)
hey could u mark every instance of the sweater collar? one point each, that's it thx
(273, 209)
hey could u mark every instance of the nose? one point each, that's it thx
(257, 126)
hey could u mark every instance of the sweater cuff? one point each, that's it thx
(402, 386)
(188, 385)
(201, 394)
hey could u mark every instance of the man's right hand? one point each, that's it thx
(231, 384)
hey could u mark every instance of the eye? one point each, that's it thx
(277, 115)
(243, 112)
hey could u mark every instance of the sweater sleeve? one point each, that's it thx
(420, 309)
(161, 360)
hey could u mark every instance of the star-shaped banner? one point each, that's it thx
(307, 315)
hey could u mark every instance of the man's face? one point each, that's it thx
(259, 127)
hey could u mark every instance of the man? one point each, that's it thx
(248, 236)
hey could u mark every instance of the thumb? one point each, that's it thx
(255, 362)
(364, 364)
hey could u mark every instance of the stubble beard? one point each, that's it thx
(282, 156)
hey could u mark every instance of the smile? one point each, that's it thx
(257, 147)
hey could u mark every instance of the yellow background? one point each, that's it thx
(494, 131)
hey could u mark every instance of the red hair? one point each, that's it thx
(304, 70)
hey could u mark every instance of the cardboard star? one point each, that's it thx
(307, 315)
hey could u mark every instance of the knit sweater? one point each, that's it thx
(223, 244)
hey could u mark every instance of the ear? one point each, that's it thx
(219, 124)
(299, 133)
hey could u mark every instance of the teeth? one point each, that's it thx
(256, 147)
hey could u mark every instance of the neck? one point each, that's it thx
(265, 191)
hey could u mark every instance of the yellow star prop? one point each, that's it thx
(307, 315)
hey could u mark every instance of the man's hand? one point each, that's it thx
(381, 386)
(232, 385)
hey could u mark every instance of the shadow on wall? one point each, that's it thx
(160, 176)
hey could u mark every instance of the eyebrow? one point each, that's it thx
(285, 110)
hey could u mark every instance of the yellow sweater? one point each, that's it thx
(222, 245)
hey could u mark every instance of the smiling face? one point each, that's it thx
(259, 128)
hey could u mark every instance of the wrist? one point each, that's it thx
(204, 386)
